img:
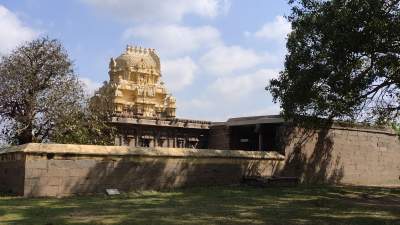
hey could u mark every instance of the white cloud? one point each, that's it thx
(12, 31)
(273, 109)
(89, 85)
(160, 11)
(238, 87)
(233, 96)
(175, 39)
(178, 73)
(276, 30)
(224, 60)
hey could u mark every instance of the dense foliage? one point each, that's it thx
(396, 128)
(343, 61)
(91, 125)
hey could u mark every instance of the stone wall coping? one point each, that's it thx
(374, 130)
(38, 148)
(358, 128)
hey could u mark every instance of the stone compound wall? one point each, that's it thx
(62, 170)
(218, 137)
(12, 173)
(337, 155)
(342, 155)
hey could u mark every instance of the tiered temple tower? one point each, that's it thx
(144, 110)
(139, 90)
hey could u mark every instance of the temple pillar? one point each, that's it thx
(122, 140)
(139, 137)
(131, 140)
(153, 142)
(175, 141)
(117, 140)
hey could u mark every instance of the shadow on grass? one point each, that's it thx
(213, 205)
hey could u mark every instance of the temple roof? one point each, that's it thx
(138, 57)
(267, 119)
(139, 90)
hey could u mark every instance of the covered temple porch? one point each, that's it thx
(257, 133)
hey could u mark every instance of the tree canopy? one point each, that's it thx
(38, 89)
(343, 61)
(42, 99)
(91, 125)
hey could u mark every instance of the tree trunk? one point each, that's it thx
(25, 136)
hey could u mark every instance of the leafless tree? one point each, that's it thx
(38, 91)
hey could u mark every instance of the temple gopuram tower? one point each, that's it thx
(144, 112)
(139, 90)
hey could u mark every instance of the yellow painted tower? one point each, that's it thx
(139, 90)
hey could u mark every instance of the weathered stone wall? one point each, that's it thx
(342, 155)
(12, 173)
(218, 137)
(337, 155)
(61, 170)
(346, 155)
(74, 175)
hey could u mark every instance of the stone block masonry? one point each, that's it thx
(334, 155)
(12, 173)
(219, 137)
(342, 155)
(62, 170)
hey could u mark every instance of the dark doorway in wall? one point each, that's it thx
(269, 133)
(145, 142)
(254, 137)
(243, 138)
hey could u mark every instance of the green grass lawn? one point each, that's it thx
(213, 205)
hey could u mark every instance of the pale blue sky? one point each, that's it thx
(216, 55)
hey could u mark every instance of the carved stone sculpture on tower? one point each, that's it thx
(139, 90)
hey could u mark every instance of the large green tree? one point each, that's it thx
(38, 90)
(91, 125)
(343, 61)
